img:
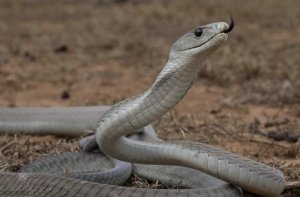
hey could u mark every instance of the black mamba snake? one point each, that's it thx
(120, 135)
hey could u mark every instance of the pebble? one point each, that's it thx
(61, 49)
(277, 136)
(65, 95)
(292, 138)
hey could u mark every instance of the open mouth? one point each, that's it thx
(230, 26)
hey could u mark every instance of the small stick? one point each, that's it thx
(294, 184)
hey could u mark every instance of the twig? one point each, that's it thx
(216, 127)
(6, 146)
(255, 138)
(294, 184)
(268, 143)
(183, 133)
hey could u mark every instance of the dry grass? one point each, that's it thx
(16, 151)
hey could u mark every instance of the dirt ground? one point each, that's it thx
(98, 52)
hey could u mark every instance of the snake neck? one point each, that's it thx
(169, 88)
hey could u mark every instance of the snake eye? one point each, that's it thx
(198, 32)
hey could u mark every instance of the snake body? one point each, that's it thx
(126, 118)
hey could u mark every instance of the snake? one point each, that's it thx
(123, 134)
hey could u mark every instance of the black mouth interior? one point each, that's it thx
(230, 26)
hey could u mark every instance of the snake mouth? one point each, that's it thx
(226, 31)
(222, 32)
(230, 28)
(206, 41)
(196, 39)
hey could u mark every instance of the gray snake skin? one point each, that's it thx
(118, 127)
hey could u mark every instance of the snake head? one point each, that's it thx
(202, 39)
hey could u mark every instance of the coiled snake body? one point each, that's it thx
(117, 135)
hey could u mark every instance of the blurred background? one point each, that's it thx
(72, 52)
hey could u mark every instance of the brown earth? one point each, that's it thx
(102, 51)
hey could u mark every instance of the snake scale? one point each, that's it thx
(122, 133)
